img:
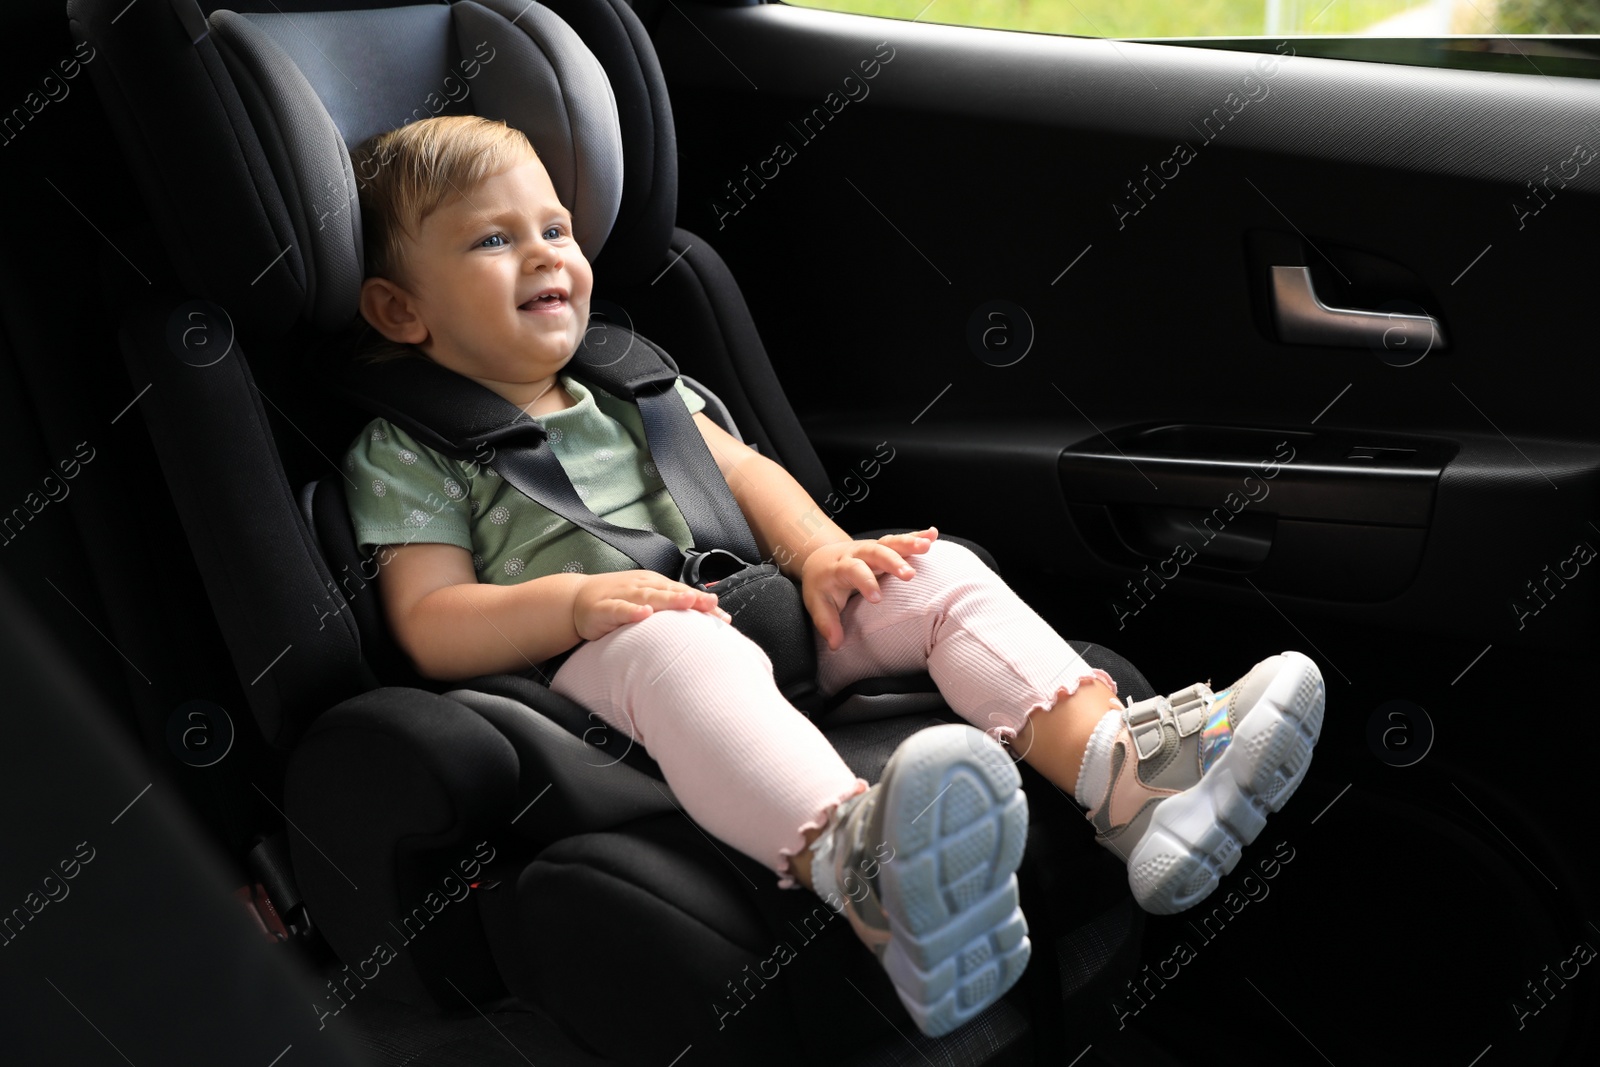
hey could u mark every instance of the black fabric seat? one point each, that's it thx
(490, 843)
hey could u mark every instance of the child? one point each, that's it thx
(471, 263)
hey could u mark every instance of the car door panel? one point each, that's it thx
(1126, 204)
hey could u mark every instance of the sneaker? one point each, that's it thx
(1194, 774)
(922, 864)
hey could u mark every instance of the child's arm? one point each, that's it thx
(453, 627)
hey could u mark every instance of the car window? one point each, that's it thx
(1543, 37)
(1243, 18)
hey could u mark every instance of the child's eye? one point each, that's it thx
(492, 237)
(555, 233)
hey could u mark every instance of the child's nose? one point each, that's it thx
(544, 254)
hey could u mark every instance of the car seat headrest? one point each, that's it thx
(316, 84)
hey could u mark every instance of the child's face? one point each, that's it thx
(476, 268)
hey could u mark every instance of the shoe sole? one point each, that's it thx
(1195, 837)
(958, 822)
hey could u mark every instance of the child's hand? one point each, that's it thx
(607, 601)
(833, 572)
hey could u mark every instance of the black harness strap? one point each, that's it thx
(460, 418)
(644, 374)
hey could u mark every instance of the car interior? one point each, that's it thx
(1303, 327)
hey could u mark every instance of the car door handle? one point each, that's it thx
(1303, 319)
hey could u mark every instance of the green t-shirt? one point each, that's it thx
(405, 492)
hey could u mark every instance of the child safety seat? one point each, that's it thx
(491, 845)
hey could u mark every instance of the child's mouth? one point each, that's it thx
(546, 304)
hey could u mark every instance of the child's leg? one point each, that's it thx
(1176, 785)
(922, 865)
(998, 664)
(699, 696)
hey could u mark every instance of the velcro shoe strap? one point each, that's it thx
(1185, 710)
(1189, 708)
(1144, 718)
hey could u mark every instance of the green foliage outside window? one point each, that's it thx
(1549, 16)
(1239, 18)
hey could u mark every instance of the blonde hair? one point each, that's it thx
(407, 174)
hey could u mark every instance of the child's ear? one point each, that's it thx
(389, 310)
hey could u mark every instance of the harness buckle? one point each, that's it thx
(713, 563)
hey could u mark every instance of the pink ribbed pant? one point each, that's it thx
(750, 768)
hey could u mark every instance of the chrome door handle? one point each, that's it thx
(1303, 319)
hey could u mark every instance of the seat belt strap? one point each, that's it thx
(467, 421)
(645, 374)
(534, 470)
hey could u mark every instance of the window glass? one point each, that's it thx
(1244, 18)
